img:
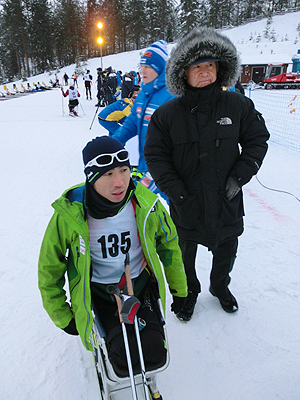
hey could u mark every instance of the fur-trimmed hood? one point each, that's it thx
(198, 44)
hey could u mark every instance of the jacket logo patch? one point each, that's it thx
(139, 109)
(82, 245)
(225, 121)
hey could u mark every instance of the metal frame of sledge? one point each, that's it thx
(112, 386)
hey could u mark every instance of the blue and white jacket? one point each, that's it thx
(148, 100)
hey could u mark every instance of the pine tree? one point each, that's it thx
(136, 16)
(189, 15)
(14, 39)
(68, 33)
(40, 34)
(161, 20)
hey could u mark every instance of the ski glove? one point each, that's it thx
(178, 304)
(71, 328)
(232, 188)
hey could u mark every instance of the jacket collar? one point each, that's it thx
(158, 83)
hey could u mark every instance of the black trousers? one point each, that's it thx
(223, 259)
(151, 334)
(88, 89)
(73, 104)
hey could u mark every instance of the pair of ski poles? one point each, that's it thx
(62, 106)
(128, 306)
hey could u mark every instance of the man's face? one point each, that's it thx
(134, 94)
(113, 184)
(202, 74)
(148, 74)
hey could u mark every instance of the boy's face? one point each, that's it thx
(148, 74)
(113, 184)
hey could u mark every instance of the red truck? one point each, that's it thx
(275, 78)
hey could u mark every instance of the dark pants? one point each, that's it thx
(223, 259)
(152, 334)
(110, 97)
(88, 89)
(73, 104)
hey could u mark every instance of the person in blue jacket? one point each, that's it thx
(153, 93)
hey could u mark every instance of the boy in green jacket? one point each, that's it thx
(93, 227)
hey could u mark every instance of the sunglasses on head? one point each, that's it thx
(107, 159)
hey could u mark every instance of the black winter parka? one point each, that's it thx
(194, 143)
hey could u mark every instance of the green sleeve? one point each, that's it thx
(51, 271)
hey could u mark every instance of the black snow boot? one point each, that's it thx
(227, 300)
(187, 311)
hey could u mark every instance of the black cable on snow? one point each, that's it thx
(276, 190)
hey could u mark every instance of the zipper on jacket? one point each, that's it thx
(85, 304)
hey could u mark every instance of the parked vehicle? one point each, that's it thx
(275, 78)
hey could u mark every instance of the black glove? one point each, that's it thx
(232, 188)
(178, 304)
(71, 328)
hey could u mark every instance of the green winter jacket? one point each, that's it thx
(65, 249)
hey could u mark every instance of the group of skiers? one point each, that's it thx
(111, 86)
(198, 146)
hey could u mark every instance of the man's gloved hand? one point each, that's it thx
(178, 304)
(232, 188)
(71, 328)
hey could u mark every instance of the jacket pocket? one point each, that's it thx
(231, 211)
(186, 213)
(73, 271)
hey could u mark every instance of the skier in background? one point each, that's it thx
(87, 77)
(73, 99)
(75, 76)
(66, 78)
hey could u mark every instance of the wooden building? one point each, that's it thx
(256, 72)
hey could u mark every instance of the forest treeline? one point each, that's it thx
(45, 35)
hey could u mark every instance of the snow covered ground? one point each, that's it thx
(250, 355)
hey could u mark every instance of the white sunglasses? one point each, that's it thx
(107, 159)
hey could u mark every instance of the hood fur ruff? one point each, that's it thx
(198, 44)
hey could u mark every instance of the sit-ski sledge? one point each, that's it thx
(136, 386)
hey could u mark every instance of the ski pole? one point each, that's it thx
(94, 117)
(129, 363)
(137, 332)
(62, 103)
(82, 108)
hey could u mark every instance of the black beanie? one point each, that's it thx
(97, 147)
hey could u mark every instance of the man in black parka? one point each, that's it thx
(201, 148)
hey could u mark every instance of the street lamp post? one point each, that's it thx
(100, 40)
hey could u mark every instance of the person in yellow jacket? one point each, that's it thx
(93, 227)
(114, 115)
